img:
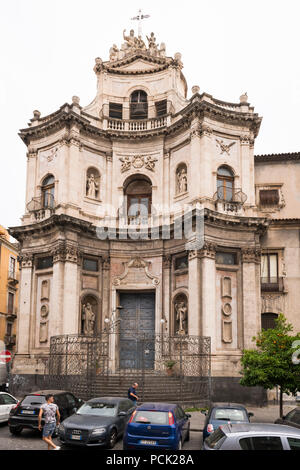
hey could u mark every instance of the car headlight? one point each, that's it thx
(61, 428)
(99, 431)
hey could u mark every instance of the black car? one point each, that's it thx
(25, 415)
(291, 419)
(99, 422)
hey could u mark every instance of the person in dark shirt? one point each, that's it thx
(132, 393)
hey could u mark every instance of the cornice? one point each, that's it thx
(277, 157)
(65, 117)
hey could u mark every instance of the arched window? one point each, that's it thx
(48, 192)
(139, 198)
(93, 183)
(225, 183)
(181, 179)
(138, 105)
(268, 320)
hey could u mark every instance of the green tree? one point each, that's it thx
(274, 362)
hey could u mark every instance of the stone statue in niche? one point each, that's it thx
(181, 317)
(181, 180)
(92, 186)
(88, 317)
(44, 331)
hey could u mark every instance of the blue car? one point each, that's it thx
(157, 426)
(223, 413)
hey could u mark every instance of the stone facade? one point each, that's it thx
(142, 139)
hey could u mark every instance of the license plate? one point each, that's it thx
(149, 443)
(76, 438)
(27, 412)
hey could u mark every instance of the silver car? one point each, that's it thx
(253, 436)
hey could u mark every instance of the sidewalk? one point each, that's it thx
(267, 414)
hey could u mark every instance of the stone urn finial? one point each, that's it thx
(244, 98)
(36, 114)
(75, 100)
(195, 89)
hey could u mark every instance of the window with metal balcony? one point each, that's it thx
(48, 192)
(139, 105)
(270, 280)
(139, 198)
(225, 184)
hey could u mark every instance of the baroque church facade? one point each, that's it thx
(109, 187)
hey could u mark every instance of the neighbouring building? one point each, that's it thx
(107, 186)
(9, 287)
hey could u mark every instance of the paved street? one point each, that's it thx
(30, 440)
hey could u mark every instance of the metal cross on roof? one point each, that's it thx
(139, 18)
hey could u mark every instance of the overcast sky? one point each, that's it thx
(48, 49)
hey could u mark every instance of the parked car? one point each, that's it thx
(25, 415)
(7, 403)
(157, 425)
(220, 413)
(291, 419)
(3, 376)
(99, 422)
(253, 436)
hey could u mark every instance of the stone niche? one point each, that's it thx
(89, 315)
(226, 302)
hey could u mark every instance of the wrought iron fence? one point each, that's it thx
(176, 367)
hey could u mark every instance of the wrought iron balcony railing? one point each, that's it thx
(232, 201)
(272, 284)
(39, 205)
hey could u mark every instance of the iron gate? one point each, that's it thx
(91, 366)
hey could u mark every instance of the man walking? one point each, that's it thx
(50, 411)
(132, 393)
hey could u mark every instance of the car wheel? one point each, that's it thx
(188, 435)
(112, 439)
(15, 431)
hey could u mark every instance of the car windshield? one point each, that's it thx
(98, 409)
(151, 417)
(229, 414)
(34, 400)
(214, 440)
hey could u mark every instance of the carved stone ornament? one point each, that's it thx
(167, 261)
(65, 252)
(225, 148)
(273, 303)
(130, 276)
(208, 250)
(26, 260)
(251, 255)
(106, 262)
(137, 162)
(44, 331)
(44, 311)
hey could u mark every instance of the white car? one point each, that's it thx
(7, 402)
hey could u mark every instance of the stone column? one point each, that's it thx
(194, 294)
(57, 291)
(31, 176)
(71, 294)
(194, 170)
(247, 171)
(166, 292)
(205, 188)
(109, 185)
(106, 309)
(208, 293)
(251, 295)
(25, 296)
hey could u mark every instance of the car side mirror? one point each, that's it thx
(204, 412)
(122, 413)
(250, 414)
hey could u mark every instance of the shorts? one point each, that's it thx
(49, 429)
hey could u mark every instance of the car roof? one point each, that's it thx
(47, 392)
(258, 428)
(108, 399)
(157, 406)
(227, 405)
